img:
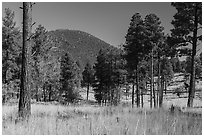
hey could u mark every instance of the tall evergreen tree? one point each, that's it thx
(116, 75)
(10, 48)
(100, 83)
(25, 88)
(11, 55)
(154, 32)
(49, 75)
(164, 69)
(39, 40)
(187, 30)
(88, 77)
(134, 49)
(68, 78)
(109, 76)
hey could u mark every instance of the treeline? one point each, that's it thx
(146, 54)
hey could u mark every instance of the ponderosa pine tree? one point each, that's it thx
(100, 83)
(11, 57)
(88, 77)
(187, 30)
(109, 76)
(164, 69)
(68, 78)
(143, 78)
(134, 49)
(154, 32)
(49, 75)
(25, 87)
(10, 47)
(117, 74)
(39, 40)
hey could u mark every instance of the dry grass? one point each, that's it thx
(86, 120)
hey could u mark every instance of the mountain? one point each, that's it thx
(82, 46)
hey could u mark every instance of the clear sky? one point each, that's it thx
(107, 21)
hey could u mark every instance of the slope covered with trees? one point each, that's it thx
(84, 47)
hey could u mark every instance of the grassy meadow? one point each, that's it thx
(52, 119)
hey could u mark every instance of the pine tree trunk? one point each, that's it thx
(165, 85)
(192, 80)
(36, 79)
(126, 92)
(50, 92)
(142, 98)
(137, 89)
(162, 92)
(159, 84)
(44, 93)
(154, 94)
(105, 101)
(154, 97)
(192, 86)
(157, 96)
(36, 89)
(87, 97)
(133, 88)
(152, 79)
(25, 95)
(50, 95)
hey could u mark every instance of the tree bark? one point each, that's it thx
(50, 92)
(162, 92)
(137, 89)
(126, 92)
(36, 89)
(36, 79)
(142, 98)
(154, 97)
(165, 85)
(133, 88)
(152, 79)
(44, 93)
(87, 98)
(192, 80)
(25, 95)
(159, 84)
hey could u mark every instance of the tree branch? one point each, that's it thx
(33, 24)
(33, 53)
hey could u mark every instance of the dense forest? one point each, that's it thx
(45, 66)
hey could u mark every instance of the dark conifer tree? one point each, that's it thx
(10, 48)
(134, 49)
(187, 30)
(100, 83)
(68, 78)
(154, 32)
(88, 77)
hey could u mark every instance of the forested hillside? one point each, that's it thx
(84, 47)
